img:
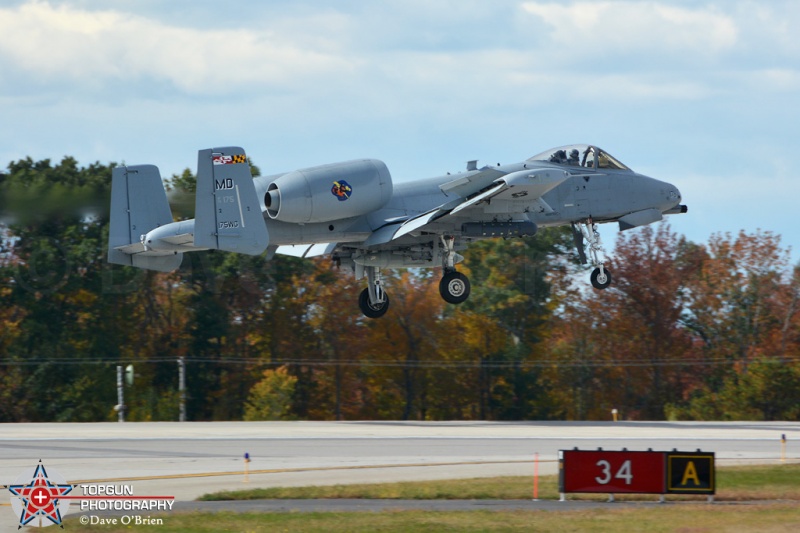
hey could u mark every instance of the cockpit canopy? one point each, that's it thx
(580, 155)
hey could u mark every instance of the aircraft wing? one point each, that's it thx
(418, 222)
(479, 197)
(472, 182)
(306, 250)
(515, 193)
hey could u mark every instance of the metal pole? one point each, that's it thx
(120, 396)
(182, 388)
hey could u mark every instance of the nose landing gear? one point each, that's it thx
(601, 277)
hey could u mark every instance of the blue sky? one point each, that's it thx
(702, 94)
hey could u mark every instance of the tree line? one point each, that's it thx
(687, 331)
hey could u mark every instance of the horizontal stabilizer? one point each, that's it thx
(228, 214)
(159, 263)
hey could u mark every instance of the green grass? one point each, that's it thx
(671, 518)
(734, 483)
(498, 488)
(759, 482)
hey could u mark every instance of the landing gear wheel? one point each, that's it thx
(601, 281)
(372, 310)
(454, 287)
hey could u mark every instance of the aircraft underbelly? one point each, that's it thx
(346, 230)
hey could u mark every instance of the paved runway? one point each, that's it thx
(186, 460)
(331, 452)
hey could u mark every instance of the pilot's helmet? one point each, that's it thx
(573, 154)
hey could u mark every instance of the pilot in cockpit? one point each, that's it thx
(574, 158)
(559, 157)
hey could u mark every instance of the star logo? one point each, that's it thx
(35, 499)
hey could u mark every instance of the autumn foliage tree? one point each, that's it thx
(687, 330)
(742, 311)
(271, 398)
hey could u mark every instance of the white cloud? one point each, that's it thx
(397, 55)
(685, 91)
(65, 43)
(778, 79)
(592, 29)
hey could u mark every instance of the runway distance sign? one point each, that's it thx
(612, 472)
(690, 473)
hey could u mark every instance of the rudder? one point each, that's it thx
(138, 205)
(227, 211)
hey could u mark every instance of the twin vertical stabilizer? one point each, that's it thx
(228, 213)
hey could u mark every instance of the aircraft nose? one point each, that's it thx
(673, 194)
(668, 195)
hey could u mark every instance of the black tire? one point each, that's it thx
(454, 287)
(372, 311)
(599, 282)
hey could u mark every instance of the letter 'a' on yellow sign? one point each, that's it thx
(690, 473)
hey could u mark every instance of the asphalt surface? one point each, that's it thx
(186, 460)
(356, 505)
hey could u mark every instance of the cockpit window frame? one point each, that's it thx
(606, 160)
(590, 157)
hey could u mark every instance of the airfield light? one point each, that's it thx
(783, 447)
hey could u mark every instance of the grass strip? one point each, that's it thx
(668, 518)
(737, 483)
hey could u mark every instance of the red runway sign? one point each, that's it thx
(613, 472)
(619, 472)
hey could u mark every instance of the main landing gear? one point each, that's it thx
(454, 286)
(373, 301)
(601, 277)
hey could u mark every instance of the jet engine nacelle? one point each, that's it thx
(329, 192)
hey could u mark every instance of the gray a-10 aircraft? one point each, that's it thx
(352, 212)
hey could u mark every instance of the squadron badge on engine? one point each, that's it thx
(341, 190)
